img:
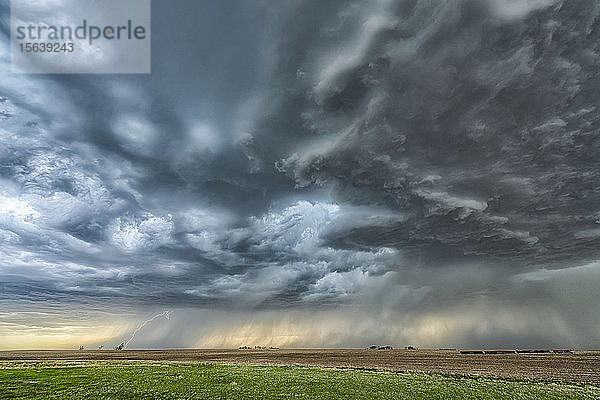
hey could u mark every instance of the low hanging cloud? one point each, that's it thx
(470, 117)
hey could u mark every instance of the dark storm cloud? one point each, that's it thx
(134, 187)
(476, 118)
(414, 166)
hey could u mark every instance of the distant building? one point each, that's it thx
(534, 351)
(499, 351)
(377, 347)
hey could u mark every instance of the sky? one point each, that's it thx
(311, 174)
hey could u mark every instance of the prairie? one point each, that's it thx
(175, 380)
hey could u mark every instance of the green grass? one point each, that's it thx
(129, 380)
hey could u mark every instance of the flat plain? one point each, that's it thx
(83, 380)
(579, 367)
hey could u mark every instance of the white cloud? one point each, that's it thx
(147, 233)
(17, 210)
(136, 134)
(509, 10)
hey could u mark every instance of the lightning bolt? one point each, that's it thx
(166, 314)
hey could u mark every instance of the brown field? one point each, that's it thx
(582, 366)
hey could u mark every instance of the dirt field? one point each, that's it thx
(578, 367)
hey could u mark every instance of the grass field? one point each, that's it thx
(168, 380)
(579, 367)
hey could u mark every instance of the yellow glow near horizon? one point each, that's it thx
(329, 330)
(36, 337)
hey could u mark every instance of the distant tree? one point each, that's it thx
(100, 347)
(81, 348)
(120, 347)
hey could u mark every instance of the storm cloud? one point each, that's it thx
(308, 174)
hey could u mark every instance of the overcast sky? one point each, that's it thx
(306, 173)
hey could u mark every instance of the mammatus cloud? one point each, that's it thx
(398, 171)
